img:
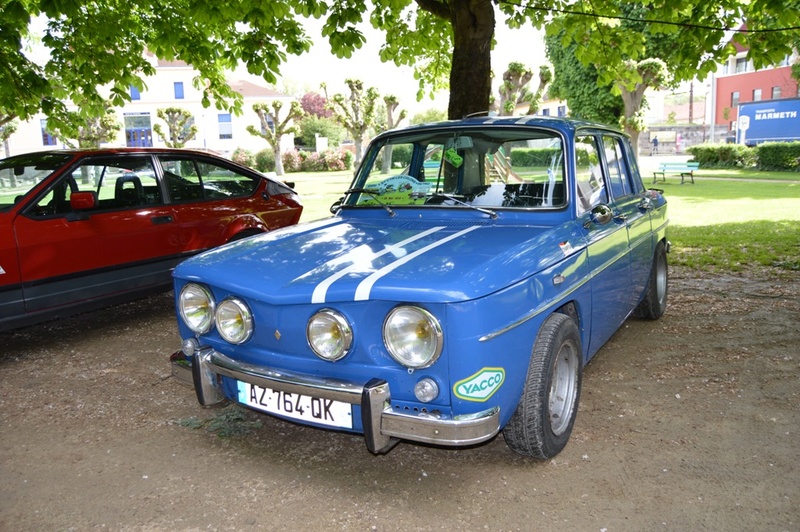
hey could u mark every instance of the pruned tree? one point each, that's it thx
(391, 103)
(643, 75)
(515, 89)
(180, 125)
(76, 130)
(545, 77)
(7, 128)
(273, 128)
(356, 112)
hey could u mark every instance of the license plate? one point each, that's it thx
(293, 405)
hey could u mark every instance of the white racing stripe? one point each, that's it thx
(321, 290)
(363, 290)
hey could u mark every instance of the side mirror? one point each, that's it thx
(602, 214)
(337, 205)
(83, 201)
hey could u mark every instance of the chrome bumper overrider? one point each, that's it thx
(382, 426)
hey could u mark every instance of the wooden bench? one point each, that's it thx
(684, 169)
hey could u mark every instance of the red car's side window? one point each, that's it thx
(117, 182)
(189, 179)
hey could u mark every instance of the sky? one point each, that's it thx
(305, 73)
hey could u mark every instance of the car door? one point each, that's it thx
(123, 240)
(207, 197)
(607, 241)
(627, 205)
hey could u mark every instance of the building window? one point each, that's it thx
(734, 98)
(179, 90)
(562, 110)
(270, 125)
(225, 129)
(741, 65)
(776, 93)
(135, 94)
(545, 112)
(47, 138)
(756, 95)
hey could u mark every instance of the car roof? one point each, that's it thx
(124, 150)
(563, 124)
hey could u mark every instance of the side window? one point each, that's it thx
(189, 179)
(588, 174)
(618, 177)
(115, 182)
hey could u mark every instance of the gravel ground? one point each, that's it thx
(687, 423)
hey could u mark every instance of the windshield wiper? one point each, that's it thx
(491, 213)
(374, 195)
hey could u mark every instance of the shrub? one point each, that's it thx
(265, 160)
(243, 157)
(334, 161)
(291, 161)
(723, 155)
(311, 162)
(401, 155)
(327, 161)
(779, 156)
(325, 127)
(533, 156)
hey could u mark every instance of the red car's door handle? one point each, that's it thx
(158, 220)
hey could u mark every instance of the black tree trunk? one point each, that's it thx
(470, 75)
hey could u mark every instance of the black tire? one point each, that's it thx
(654, 303)
(545, 415)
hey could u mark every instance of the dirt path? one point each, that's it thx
(688, 423)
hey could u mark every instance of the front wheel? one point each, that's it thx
(545, 415)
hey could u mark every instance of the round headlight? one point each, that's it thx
(196, 308)
(413, 336)
(329, 334)
(234, 321)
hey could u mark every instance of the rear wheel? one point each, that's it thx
(545, 415)
(654, 303)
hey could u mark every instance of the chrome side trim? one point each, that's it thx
(382, 426)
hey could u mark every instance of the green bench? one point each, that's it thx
(684, 169)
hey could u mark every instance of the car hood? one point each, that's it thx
(336, 260)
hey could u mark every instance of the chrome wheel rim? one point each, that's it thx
(564, 388)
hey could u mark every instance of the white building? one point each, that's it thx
(171, 86)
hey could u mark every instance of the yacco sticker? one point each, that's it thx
(480, 386)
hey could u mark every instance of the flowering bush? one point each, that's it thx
(328, 161)
(291, 161)
(243, 157)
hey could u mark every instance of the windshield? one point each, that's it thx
(20, 174)
(477, 167)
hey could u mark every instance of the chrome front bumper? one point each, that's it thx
(382, 426)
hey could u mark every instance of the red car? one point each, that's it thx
(90, 228)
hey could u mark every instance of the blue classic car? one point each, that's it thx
(465, 280)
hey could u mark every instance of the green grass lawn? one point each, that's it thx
(728, 220)
(732, 224)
